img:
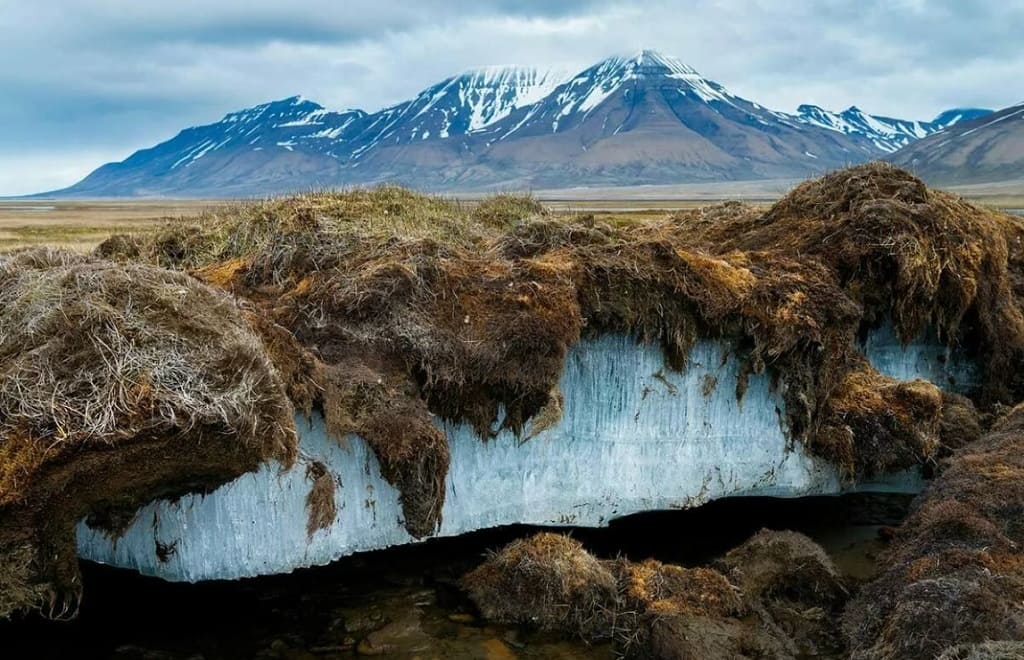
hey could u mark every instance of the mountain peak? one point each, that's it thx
(959, 115)
(496, 70)
(646, 62)
(494, 75)
(651, 61)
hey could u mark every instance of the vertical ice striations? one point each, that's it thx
(633, 438)
(924, 358)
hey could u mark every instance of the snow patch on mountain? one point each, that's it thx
(463, 120)
(886, 133)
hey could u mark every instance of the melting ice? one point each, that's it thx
(634, 437)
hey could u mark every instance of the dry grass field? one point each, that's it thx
(81, 225)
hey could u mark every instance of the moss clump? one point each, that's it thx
(548, 581)
(779, 598)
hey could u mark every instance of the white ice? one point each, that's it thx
(634, 437)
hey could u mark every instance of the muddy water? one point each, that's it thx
(404, 603)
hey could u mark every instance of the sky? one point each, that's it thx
(84, 82)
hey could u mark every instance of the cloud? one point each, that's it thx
(28, 172)
(115, 75)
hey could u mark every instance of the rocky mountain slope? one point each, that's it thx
(987, 149)
(886, 133)
(643, 119)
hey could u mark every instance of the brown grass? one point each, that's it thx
(81, 226)
(547, 581)
(320, 505)
(956, 570)
(119, 384)
(778, 598)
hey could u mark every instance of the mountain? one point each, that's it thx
(285, 140)
(983, 150)
(459, 105)
(642, 119)
(886, 133)
(295, 143)
(652, 119)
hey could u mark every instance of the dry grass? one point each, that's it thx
(547, 581)
(955, 573)
(81, 226)
(320, 505)
(119, 384)
(778, 599)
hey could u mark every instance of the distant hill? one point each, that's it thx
(984, 150)
(638, 120)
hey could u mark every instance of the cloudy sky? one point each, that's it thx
(85, 82)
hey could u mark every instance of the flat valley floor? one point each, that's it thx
(81, 225)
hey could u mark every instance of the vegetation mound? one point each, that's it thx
(792, 583)
(547, 581)
(761, 608)
(955, 575)
(118, 384)
(404, 306)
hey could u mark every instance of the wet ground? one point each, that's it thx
(404, 602)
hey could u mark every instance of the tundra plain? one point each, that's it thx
(82, 225)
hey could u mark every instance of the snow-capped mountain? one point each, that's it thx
(985, 149)
(886, 133)
(645, 118)
(458, 105)
(959, 115)
(649, 118)
(286, 124)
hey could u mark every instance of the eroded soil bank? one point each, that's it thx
(406, 602)
(385, 310)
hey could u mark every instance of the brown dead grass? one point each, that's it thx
(320, 505)
(547, 581)
(119, 384)
(956, 570)
(778, 598)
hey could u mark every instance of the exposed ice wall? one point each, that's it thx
(924, 358)
(633, 438)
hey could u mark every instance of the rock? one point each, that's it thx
(403, 636)
(358, 622)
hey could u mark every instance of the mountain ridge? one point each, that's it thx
(646, 118)
(985, 149)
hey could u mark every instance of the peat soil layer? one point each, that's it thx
(405, 602)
